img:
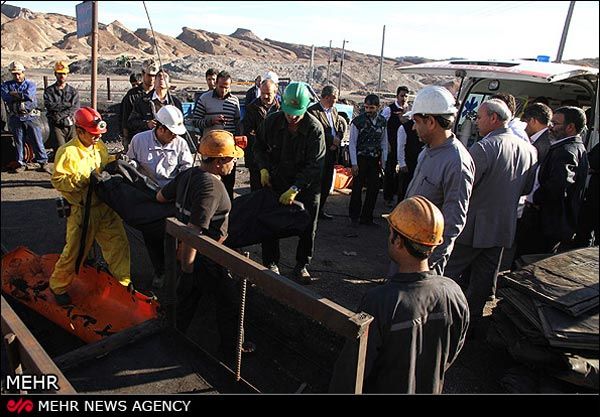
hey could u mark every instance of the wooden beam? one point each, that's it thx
(34, 359)
(105, 346)
(330, 314)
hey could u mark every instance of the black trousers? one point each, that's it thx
(154, 238)
(212, 277)
(327, 179)
(390, 179)
(255, 183)
(404, 178)
(484, 264)
(531, 238)
(368, 174)
(306, 243)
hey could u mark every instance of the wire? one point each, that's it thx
(191, 144)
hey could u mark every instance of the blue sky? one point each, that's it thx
(490, 29)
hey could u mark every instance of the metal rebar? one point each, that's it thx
(240, 344)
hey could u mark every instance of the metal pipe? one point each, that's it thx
(312, 65)
(108, 88)
(328, 64)
(94, 98)
(381, 60)
(563, 38)
(342, 68)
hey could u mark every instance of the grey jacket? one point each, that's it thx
(504, 170)
(444, 175)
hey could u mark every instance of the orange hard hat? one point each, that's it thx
(90, 120)
(419, 220)
(219, 144)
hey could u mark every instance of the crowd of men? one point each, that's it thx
(522, 186)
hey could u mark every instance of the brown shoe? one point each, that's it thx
(45, 168)
(19, 169)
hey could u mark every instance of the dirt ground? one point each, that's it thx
(347, 262)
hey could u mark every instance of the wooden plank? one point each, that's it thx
(105, 346)
(34, 359)
(330, 314)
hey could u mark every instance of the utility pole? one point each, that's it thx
(312, 65)
(94, 97)
(342, 67)
(381, 60)
(328, 64)
(563, 38)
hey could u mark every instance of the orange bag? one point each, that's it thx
(343, 177)
(101, 306)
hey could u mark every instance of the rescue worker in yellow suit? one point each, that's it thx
(73, 165)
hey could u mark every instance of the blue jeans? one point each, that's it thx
(28, 130)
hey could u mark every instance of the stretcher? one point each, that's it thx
(100, 307)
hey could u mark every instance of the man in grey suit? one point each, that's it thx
(504, 170)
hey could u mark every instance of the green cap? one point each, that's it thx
(296, 99)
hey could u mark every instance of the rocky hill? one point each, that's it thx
(39, 39)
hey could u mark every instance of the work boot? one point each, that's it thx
(302, 275)
(19, 169)
(62, 299)
(248, 347)
(273, 267)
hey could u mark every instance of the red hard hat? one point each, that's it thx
(89, 119)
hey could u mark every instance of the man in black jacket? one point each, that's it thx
(256, 113)
(538, 116)
(61, 101)
(149, 71)
(394, 114)
(551, 218)
(334, 129)
(289, 151)
(143, 114)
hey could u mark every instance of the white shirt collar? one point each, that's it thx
(156, 97)
(554, 142)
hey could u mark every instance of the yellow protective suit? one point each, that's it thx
(72, 168)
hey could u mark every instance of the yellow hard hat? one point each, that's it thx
(61, 67)
(419, 220)
(219, 144)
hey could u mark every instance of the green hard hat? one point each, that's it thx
(296, 99)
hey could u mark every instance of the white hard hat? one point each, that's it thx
(16, 67)
(433, 99)
(270, 75)
(172, 118)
